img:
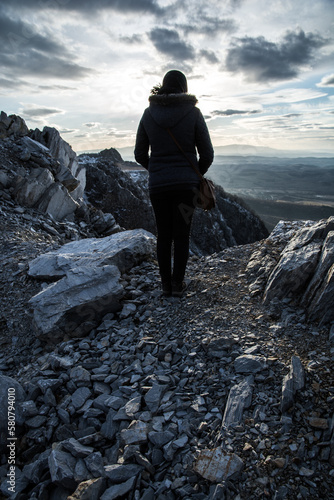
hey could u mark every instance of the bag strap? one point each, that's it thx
(184, 154)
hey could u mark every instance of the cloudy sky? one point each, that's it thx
(262, 70)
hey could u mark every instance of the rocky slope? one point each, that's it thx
(226, 393)
(139, 407)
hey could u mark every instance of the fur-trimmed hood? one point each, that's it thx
(168, 109)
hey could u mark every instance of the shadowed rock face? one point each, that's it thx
(301, 272)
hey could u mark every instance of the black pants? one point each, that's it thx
(173, 213)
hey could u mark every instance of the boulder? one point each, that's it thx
(305, 271)
(293, 272)
(320, 292)
(124, 249)
(88, 288)
(75, 304)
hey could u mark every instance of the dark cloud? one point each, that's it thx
(261, 60)
(35, 63)
(209, 55)
(168, 42)
(40, 112)
(210, 26)
(12, 84)
(230, 112)
(327, 81)
(15, 34)
(90, 7)
(67, 131)
(26, 51)
(56, 87)
(134, 39)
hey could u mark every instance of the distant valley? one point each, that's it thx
(279, 188)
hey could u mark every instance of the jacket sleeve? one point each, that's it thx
(203, 144)
(142, 146)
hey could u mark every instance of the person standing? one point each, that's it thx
(172, 180)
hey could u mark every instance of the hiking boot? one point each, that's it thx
(178, 288)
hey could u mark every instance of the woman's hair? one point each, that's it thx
(174, 82)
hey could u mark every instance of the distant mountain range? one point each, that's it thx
(240, 150)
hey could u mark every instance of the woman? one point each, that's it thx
(172, 180)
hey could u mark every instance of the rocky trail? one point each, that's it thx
(211, 396)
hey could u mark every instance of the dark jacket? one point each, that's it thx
(167, 166)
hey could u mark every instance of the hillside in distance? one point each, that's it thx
(279, 188)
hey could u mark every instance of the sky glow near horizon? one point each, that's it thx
(262, 71)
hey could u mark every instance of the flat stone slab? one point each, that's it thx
(77, 302)
(124, 250)
(217, 465)
(248, 363)
(240, 397)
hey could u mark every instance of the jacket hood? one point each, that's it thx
(168, 109)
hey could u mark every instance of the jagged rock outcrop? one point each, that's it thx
(33, 174)
(124, 193)
(12, 126)
(298, 268)
(71, 174)
(46, 176)
(88, 273)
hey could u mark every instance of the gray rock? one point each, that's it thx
(119, 490)
(62, 466)
(249, 363)
(109, 428)
(217, 465)
(12, 126)
(80, 375)
(124, 250)
(239, 398)
(293, 272)
(118, 473)
(71, 173)
(77, 449)
(136, 433)
(35, 470)
(80, 396)
(292, 382)
(94, 463)
(159, 439)
(153, 396)
(78, 301)
(30, 190)
(89, 490)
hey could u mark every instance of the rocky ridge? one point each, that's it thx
(217, 395)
